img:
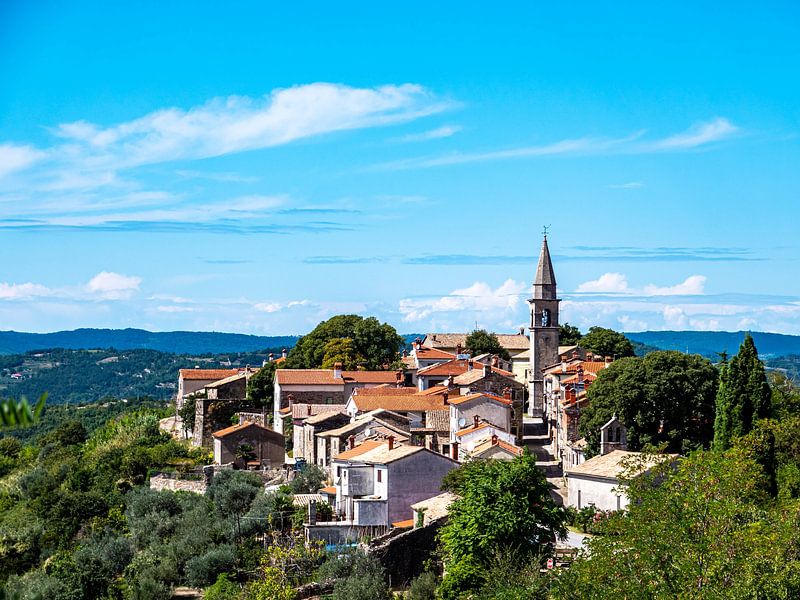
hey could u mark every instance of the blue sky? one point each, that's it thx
(259, 167)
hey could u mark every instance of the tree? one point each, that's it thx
(343, 351)
(607, 342)
(503, 505)
(308, 481)
(481, 341)
(187, 414)
(569, 335)
(261, 386)
(664, 397)
(743, 397)
(376, 345)
(701, 528)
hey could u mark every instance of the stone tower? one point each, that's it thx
(543, 328)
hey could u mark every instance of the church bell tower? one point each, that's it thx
(543, 329)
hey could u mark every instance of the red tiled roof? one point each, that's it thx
(399, 402)
(386, 391)
(241, 426)
(486, 444)
(461, 399)
(325, 377)
(363, 447)
(426, 353)
(210, 374)
(330, 490)
(483, 425)
(594, 366)
(451, 367)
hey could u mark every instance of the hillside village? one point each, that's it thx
(385, 439)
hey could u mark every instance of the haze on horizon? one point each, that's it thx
(261, 168)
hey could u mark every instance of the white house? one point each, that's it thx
(597, 480)
(377, 482)
(469, 409)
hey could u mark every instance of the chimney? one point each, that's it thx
(391, 442)
(433, 337)
(309, 409)
(291, 399)
(495, 360)
(469, 365)
(405, 353)
(494, 439)
(575, 355)
(507, 393)
(351, 442)
(487, 369)
(454, 450)
(312, 512)
(476, 421)
(337, 370)
(608, 360)
(271, 357)
(458, 349)
(445, 397)
(563, 366)
(283, 353)
(399, 378)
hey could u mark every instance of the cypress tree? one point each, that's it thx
(743, 397)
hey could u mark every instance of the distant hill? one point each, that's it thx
(176, 342)
(708, 343)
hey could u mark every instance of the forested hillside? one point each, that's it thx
(81, 376)
(709, 343)
(177, 342)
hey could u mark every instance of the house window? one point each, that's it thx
(579, 499)
(446, 449)
(329, 400)
(338, 471)
(619, 503)
(380, 478)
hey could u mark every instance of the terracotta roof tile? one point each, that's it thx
(456, 400)
(612, 465)
(325, 377)
(398, 403)
(478, 373)
(240, 427)
(210, 374)
(330, 490)
(486, 445)
(403, 524)
(362, 448)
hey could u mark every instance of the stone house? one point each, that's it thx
(265, 445)
(378, 424)
(377, 482)
(223, 399)
(405, 401)
(323, 386)
(516, 344)
(500, 383)
(191, 381)
(307, 428)
(434, 431)
(495, 448)
(465, 440)
(465, 410)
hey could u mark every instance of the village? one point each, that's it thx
(385, 439)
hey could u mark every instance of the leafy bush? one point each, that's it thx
(423, 587)
(203, 570)
(222, 589)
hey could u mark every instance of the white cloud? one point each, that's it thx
(113, 286)
(692, 286)
(21, 291)
(174, 309)
(273, 307)
(699, 135)
(444, 131)
(606, 283)
(675, 317)
(235, 124)
(15, 157)
(477, 298)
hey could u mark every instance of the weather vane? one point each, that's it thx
(545, 228)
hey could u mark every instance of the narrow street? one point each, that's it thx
(535, 438)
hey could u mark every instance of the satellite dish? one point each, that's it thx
(367, 432)
(462, 421)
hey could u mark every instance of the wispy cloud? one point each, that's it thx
(606, 283)
(467, 259)
(692, 286)
(699, 135)
(344, 260)
(444, 131)
(226, 177)
(617, 283)
(15, 157)
(236, 124)
(105, 285)
(631, 185)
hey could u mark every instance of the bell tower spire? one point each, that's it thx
(543, 329)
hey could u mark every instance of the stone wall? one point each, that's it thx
(404, 555)
(211, 416)
(164, 482)
(313, 397)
